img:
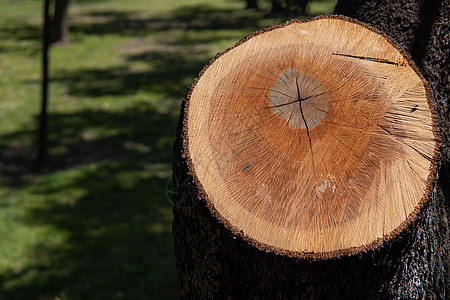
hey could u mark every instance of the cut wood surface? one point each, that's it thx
(313, 139)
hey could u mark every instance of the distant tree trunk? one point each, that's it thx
(422, 29)
(59, 24)
(43, 135)
(252, 4)
(55, 32)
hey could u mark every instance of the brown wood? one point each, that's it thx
(312, 139)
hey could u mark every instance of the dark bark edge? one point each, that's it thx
(202, 195)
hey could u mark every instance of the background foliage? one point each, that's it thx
(96, 223)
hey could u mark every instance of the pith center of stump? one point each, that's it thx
(300, 99)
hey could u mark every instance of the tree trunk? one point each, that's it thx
(422, 29)
(252, 4)
(59, 24)
(43, 135)
(55, 31)
(216, 262)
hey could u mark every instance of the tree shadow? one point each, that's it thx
(138, 133)
(119, 243)
(173, 70)
(29, 36)
(189, 17)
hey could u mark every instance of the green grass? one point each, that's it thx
(96, 223)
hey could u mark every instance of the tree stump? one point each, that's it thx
(313, 140)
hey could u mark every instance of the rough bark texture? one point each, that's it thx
(212, 263)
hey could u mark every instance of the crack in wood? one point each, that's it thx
(374, 59)
(295, 101)
(300, 100)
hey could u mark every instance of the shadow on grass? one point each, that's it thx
(117, 245)
(173, 71)
(109, 199)
(90, 136)
(193, 17)
(177, 53)
(28, 35)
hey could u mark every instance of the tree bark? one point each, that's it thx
(214, 263)
(59, 23)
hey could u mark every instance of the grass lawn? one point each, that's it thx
(96, 223)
